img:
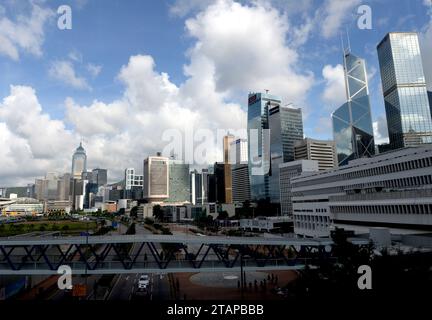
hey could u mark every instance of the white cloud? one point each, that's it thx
(94, 69)
(182, 8)
(333, 14)
(334, 91)
(380, 130)
(64, 71)
(244, 48)
(32, 143)
(236, 48)
(26, 33)
(76, 56)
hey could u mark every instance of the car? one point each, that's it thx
(143, 281)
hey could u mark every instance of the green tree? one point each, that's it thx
(158, 212)
(223, 215)
(134, 212)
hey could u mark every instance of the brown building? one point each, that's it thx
(227, 180)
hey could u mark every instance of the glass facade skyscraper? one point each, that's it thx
(79, 162)
(269, 148)
(352, 122)
(179, 187)
(405, 94)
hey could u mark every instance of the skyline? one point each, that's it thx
(189, 70)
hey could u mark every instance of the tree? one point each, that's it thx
(223, 215)
(134, 212)
(158, 212)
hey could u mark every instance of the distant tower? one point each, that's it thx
(79, 162)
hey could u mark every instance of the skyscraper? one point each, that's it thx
(286, 128)
(100, 177)
(430, 100)
(240, 170)
(196, 187)
(352, 122)
(272, 132)
(404, 86)
(179, 187)
(238, 151)
(227, 180)
(156, 178)
(79, 162)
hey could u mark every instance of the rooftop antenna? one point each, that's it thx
(342, 42)
(349, 41)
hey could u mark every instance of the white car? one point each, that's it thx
(143, 281)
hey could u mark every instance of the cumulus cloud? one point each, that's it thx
(245, 48)
(25, 33)
(64, 71)
(334, 14)
(334, 91)
(236, 48)
(32, 143)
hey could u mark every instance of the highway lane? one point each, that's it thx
(125, 285)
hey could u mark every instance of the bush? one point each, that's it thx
(148, 221)
(157, 226)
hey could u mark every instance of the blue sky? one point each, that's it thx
(195, 62)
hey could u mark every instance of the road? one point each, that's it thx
(125, 285)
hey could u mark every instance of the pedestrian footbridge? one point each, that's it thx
(116, 254)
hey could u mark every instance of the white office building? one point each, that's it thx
(133, 180)
(156, 177)
(392, 190)
(324, 151)
(238, 151)
(288, 171)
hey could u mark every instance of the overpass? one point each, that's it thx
(160, 254)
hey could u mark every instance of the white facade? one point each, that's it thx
(391, 190)
(133, 180)
(238, 152)
(156, 177)
(287, 171)
(263, 223)
(323, 151)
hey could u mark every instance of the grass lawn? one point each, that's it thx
(65, 227)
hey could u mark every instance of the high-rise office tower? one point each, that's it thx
(227, 140)
(238, 151)
(227, 180)
(286, 128)
(100, 177)
(323, 151)
(430, 100)
(352, 122)
(272, 132)
(179, 187)
(239, 170)
(64, 187)
(196, 187)
(79, 162)
(156, 179)
(404, 86)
